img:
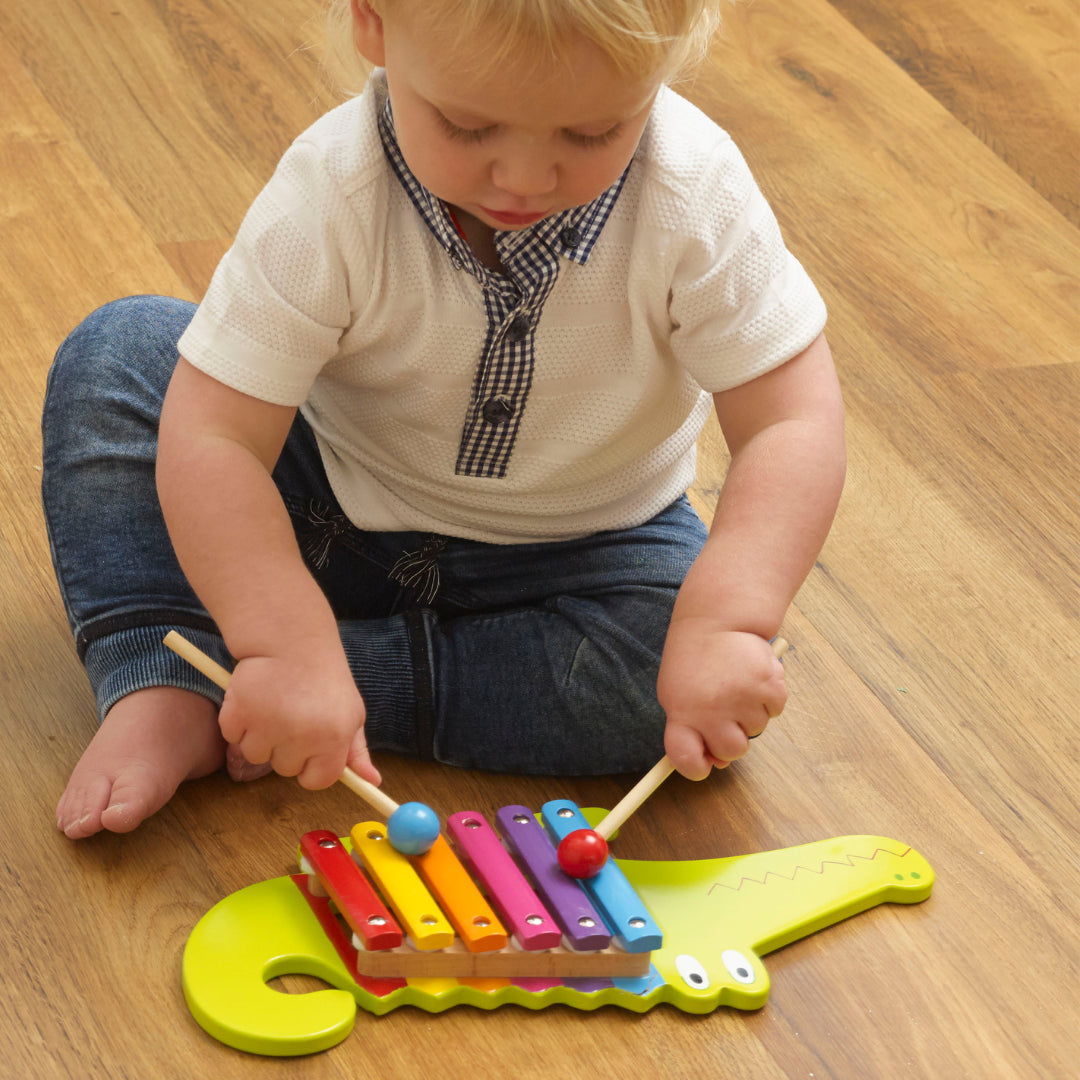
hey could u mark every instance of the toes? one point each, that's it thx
(122, 817)
(241, 769)
(83, 827)
(137, 792)
(117, 803)
(78, 813)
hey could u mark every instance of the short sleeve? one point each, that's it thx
(279, 301)
(741, 303)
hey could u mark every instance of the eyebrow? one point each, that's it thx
(466, 115)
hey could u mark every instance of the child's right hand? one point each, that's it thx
(291, 701)
(302, 713)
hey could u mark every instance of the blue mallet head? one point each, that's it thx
(412, 828)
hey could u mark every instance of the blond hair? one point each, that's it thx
(646, 38)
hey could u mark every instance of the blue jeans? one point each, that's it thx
(533, 658)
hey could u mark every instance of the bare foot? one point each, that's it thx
(149, 743)
(239, 768)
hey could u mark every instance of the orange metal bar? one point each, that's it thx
(461, 900)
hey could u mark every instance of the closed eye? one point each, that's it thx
(461, 134)
(592, 141)
(475, 135)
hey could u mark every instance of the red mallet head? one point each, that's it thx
(582, 853)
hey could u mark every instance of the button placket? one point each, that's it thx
(519, 327)
(513, 301)
(498, 409)
(506, 296)
(531, 258)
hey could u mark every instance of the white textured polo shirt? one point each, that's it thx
(562, 399)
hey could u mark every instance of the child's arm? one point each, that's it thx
(292, 700)
(719, 682)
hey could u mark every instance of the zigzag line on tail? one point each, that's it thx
(848, 861)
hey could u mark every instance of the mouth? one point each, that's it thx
(504, 217)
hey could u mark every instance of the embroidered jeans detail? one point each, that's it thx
(419, 570)
(325, 527)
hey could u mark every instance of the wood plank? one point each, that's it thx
(921, 385)
(851, 757)
(194, 261)
(212, 94)
(1009, 72)
(933, 672)
(69, 245)
(977, 273)
(839, 759)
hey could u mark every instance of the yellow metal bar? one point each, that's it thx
(401, 887)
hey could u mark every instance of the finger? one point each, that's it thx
(725, 742)
(772, 706)
(231, 722)
(321, 771)
(753, 728)
(686, 751)
(287, 761)
(359, 759)
(776, 695)
(256, 750)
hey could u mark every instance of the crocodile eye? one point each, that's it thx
(740, 969)
(692, 972)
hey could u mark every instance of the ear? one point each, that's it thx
(368, 32)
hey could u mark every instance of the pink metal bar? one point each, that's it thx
(510, 894)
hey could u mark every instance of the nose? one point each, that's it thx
(525, 172)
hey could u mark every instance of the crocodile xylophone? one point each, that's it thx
(489, 919)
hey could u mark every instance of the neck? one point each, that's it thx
(479, 237)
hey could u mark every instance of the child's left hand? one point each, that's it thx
(719, 688)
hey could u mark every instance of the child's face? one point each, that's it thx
(511, 148)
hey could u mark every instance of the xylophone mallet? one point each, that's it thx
(583, 852)
(411, 827)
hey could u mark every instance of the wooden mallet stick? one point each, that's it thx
(375, 798)
(633, 799)
(583, 852)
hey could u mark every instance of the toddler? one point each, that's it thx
(417, 464)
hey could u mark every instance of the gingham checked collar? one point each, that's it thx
(571, 233)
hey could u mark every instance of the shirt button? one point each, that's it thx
(498, 410)
(455, 259)
(519, 328)
(570, 237)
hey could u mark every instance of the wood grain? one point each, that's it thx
(922, 159)
(1009, 72)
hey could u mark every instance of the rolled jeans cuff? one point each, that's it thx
(135, 658)
(378, 652)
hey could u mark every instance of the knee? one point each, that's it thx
(610, 686)
(621, 638)
(114, 368)
(121, 343)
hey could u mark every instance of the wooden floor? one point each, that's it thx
(924, 159)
